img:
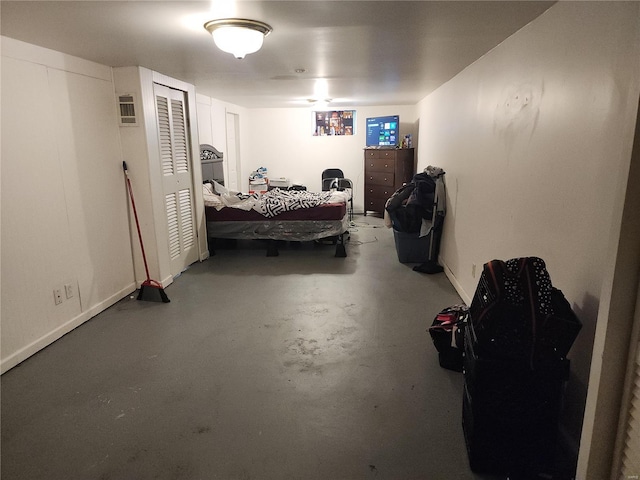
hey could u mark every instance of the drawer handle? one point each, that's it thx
(385, 165)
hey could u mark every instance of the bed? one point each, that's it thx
(277, 215)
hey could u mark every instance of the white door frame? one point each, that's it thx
(614, 330)
(158, 256)
(232, 156)
(177, 167)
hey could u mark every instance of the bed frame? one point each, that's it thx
(324, 222)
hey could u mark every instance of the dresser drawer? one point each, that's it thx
(378, 191)
(375, 204)
(380, 153)
(379, 178)
(379, 164)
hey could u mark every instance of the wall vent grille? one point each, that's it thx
(127, 110)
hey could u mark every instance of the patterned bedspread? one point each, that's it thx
(273, 202)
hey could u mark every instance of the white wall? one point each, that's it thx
(212, 126)
(140, 147)
(64, 204)
(281, 140)
(135, 152)
(536, 140)
(211, 120)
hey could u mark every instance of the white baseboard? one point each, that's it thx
(37, 345)
(454, 281)
(164, 283)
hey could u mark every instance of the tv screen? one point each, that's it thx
(383, 131)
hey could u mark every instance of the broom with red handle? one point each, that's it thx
(150, 290)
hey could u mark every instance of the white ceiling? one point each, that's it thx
(370, 52)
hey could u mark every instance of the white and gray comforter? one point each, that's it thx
(271, 203)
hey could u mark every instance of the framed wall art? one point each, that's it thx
(334, 122)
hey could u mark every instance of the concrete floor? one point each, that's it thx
(302, 366)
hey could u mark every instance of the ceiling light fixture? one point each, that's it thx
(320, 93)
(238, 36)
(319, 101)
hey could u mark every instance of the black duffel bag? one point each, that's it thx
(447, 333)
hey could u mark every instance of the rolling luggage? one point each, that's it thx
(519, 331)
(510, 412)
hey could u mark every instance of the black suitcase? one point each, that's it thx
(510, 412)
(518, 334)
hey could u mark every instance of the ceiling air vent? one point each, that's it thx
(127, 110)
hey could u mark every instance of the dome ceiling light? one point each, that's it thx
(238, 36)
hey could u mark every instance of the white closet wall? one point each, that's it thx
(143, 151)
(64, 205)
(212, 127)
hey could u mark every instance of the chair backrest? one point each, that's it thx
(329, 177)
(332, 173)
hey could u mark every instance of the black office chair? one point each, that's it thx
(330, 178)
(334, 178)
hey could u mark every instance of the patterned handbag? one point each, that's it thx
(511, 302)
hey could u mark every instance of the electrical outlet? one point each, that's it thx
(68, 290)
(57, 296)
(473, 270)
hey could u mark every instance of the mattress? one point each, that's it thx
(327, 211)
(299, 225)
(296, 216)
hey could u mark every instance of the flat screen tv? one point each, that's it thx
(383, 131)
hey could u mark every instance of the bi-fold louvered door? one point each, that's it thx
(627, 459)
(175, 158)
(631, 449)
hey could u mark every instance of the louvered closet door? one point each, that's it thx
(177, 180)
(631, 452)
(628, 460)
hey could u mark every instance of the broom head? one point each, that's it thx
(152, 291)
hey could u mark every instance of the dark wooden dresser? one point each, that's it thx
(385, 170)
